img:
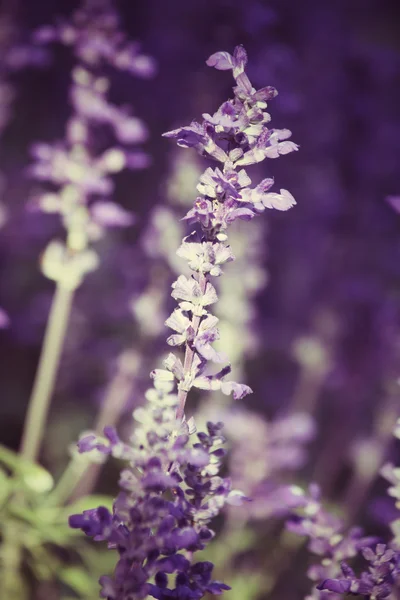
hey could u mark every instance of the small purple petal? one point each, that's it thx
(339, 586)
(223, 61)
(109, 214)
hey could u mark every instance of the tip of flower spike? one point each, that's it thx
(223, 61)
(240, 56)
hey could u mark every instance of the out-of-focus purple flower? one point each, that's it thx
(4, 319)
(109, 214)
(96, 38)
(262, 454)
(327, 537)
(21, 56)
(394, 202)
(80, 171)
(378, 581)
(89, 99)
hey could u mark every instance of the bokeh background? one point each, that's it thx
(311, 308)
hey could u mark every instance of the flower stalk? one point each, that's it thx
(189, 356)
(46, 373)
(81, 174)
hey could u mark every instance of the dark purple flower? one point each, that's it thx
(191, 136)
(95, 523)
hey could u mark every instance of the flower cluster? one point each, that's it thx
(170, 492)
(327, 537)
(80, 172)
(172, 488)
(377, 582)
(382, 575)
(237, 135)
(95, 37)
(262, 453)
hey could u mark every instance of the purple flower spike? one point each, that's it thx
(78, 174)
(171, 486)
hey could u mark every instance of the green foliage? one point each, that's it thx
(247, 586)
(37, 545)
(231, 543)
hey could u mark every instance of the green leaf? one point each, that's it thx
(222, 550)
(96, 560)
(37, 478)
(79, 581)
(247, 586)
(9, 457)
(43, 562)
(23, 513)
(13, 586)
(34, 476)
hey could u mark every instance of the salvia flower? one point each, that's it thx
(82, 173)
(236, 136)
(327, 537)
(380, 579)
(96, 38)
(171, 488)
(262, 453)
(376, 582)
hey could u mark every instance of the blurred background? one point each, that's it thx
(309, 312)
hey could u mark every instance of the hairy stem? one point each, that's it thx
(189, 354)
(49, 360)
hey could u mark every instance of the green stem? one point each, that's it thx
(69, 480)
(11, 585)
(49, 360)
(189, 354)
